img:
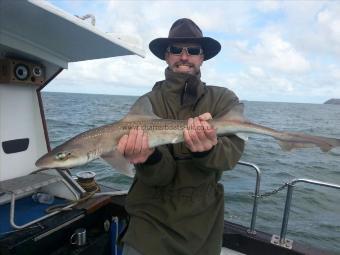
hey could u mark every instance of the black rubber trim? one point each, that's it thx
(14, 146)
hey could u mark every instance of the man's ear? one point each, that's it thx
(166, 57)
(202, 60)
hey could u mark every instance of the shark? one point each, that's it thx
(101, 142)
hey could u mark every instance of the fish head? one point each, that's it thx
(63, 157)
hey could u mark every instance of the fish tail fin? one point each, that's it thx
(298, 141)
(327, 143)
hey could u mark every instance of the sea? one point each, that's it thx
(314, 217)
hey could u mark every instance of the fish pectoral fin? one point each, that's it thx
(119, 163)
(141, 110)
(243, 136)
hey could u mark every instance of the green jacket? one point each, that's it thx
(176, 203)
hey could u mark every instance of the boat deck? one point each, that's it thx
(227, 251)
(52, 235)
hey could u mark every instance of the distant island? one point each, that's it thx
(333, 101)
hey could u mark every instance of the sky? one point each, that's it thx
(282, 51)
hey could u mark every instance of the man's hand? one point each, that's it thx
(135, 146)
(200, 136)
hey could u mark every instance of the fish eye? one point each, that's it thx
(62, 155)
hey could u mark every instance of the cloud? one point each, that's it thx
(256, 71)
(268, 6)
(281, 54)
(128, 71)
(264, 83)
(329, 22)
(335, 71)
(312, 26)
(271, 50)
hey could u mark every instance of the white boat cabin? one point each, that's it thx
(37, 41)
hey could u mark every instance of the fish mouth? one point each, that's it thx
(41, 163)
(46, 162)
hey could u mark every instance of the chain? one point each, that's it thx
(273, 192)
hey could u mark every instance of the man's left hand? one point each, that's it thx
(199, 136)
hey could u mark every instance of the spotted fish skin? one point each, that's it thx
(102, 142)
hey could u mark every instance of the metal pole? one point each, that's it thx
(255, 203)
(256, 195)
(282, 241)
(286, 213)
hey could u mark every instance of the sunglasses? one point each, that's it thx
(194, 51)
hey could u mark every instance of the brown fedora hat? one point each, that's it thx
(185, 30)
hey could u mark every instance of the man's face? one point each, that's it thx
(184, 62)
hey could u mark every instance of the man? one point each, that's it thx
(176, 203)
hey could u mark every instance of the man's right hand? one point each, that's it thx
(135, 146)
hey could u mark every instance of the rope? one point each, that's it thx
(60, 207)
(91, 188)
(88, 185)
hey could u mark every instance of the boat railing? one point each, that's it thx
(279, 240)
(256, 194)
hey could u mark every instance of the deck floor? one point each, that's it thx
(226, 251)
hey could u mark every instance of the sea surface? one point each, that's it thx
(315, 212)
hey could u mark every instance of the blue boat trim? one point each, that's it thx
(26, 211)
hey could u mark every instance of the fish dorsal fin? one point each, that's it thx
(235, 113)
(141, 110)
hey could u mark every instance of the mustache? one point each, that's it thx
(184, 63)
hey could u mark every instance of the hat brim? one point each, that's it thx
(210, 46)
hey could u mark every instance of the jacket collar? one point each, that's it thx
(189, 88)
